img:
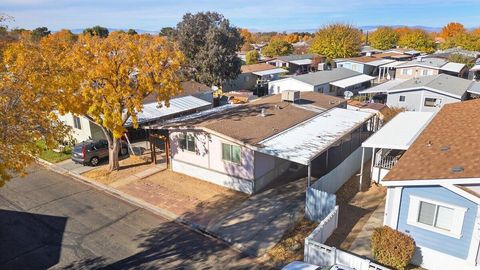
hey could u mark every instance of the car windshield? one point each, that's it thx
(77, 148)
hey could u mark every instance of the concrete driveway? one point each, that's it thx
(49, 220)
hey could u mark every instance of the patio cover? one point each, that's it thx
(270, 72)
(352, 81)
(302, 62)
(453, 67)
(304, 142)
(382, 88)
(152, 111)
(400, 132)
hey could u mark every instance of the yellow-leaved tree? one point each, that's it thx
(106, 79)
(26, 107)
(337, 40)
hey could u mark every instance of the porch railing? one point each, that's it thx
(386, 161)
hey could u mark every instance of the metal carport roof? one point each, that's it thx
(352, 81)
(305, 141)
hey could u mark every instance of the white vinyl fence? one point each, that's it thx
(333, 180)
(326, 227)
(323, 255)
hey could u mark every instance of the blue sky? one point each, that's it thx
(263, 15)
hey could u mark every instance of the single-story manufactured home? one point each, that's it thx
(195, 97)
(433, 192)
(330, 82)
(429, 66)
(428, 93)
(247, 147)
(253, 77)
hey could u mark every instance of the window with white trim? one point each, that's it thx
(425, 72)
(231, 153)
(187, 141)
(401, 98)
(432, 102)
(76, 122)
(436, 216)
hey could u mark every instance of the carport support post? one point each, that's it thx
(361, 169)
(373, 161)
(309, 176)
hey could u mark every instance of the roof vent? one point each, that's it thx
(290, 95)
(457, 169)
(262, 113)
(445, 148)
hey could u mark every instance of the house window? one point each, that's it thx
(231, 153)
(401, 99)
(431, 102)
(425, 72)
(187, 142)
(436, 216)
(76, 122)
(406, 71)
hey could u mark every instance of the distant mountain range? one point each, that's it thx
(368, 28)
(140, 31)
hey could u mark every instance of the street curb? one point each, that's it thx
(151, 208)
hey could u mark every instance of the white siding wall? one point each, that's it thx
(414, 100)
(276, 87)
(88, 130)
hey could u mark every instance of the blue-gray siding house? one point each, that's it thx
(433, 192)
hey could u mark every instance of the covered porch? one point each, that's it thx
(390, 142)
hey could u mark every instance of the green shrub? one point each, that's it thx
(392, 248)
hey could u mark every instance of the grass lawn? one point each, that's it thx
(52, 156)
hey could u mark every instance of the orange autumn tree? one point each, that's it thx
(451, 30)
(26, 107)
(107, 79)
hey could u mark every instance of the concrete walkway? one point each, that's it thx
(140, 175)
(362, 243)
(73, 167)
(259, 223)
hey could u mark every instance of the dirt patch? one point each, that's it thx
(290, 248)
(193, 199)
(185, 185)
(355, 208)
(128, 167)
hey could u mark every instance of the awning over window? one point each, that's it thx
(352, 81)
(400, 132)
(304, 142)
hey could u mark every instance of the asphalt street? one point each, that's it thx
(51, 221)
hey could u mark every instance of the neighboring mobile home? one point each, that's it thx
(295, 63)
(246, 147)
(430, 66)
(330, 82)
(195, 97)
(254, 77)
(433, 192)
(428, 93)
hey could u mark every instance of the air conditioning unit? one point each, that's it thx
(290, 95)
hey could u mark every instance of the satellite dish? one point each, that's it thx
(438, 102)
(347, 95)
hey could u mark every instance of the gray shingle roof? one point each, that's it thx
(295, 57)
(326, 76)
(441, 82)
(430, 62)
